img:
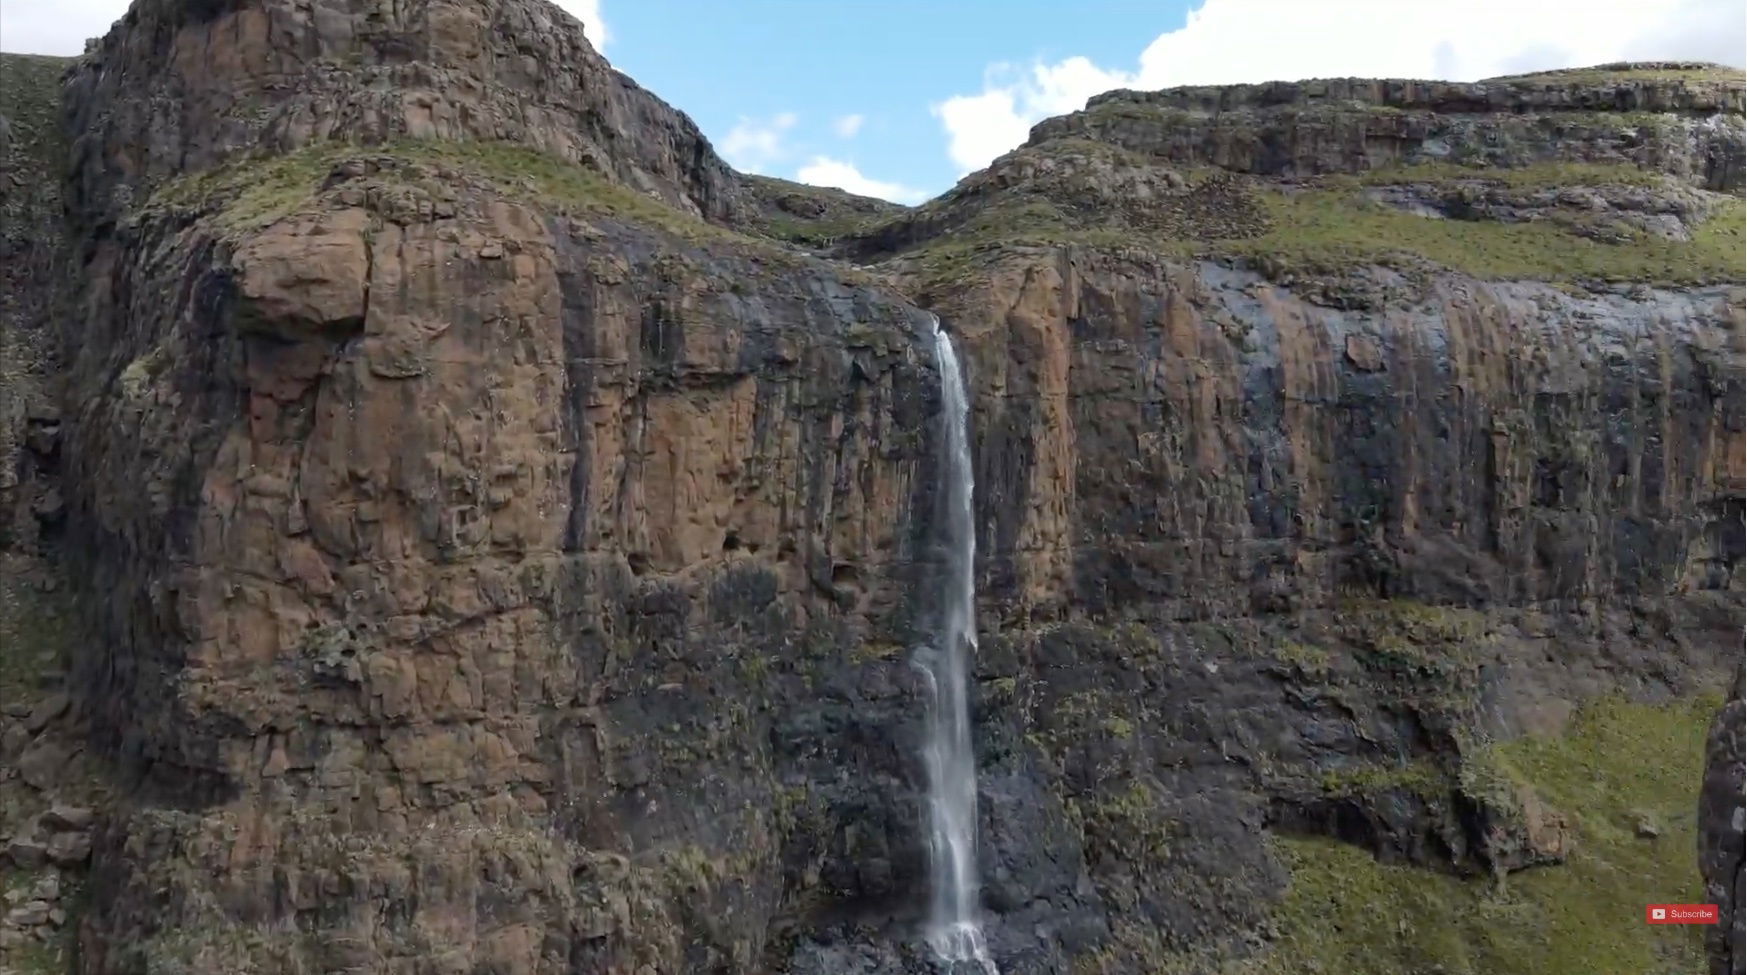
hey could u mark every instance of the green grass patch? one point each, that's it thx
(1311, 661)
(254, 192)
(30, 99)
(1346, 912)
(1604, 75)
(1334, 227)
(1330, 227)
(1125, 824)
(42, 957)
(1421, 778)
(811, 215)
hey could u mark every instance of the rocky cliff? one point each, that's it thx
(1720, 841)
(497, 530)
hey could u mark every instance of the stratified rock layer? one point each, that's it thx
(1658, 119)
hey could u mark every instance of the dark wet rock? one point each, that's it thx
(68, 818)
(26, 852)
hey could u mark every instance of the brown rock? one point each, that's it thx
(1364, 353)
(511, 71)
(1547, 830)
(306, 276)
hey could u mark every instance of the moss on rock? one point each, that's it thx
(254, 192)
(1617, 763)
(1332, 225)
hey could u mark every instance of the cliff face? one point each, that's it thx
(501, 550)
(1668, 116)
(205, 81)
(1720, 843)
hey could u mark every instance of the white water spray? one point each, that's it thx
(955, 930)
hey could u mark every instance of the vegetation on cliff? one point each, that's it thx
(1333, 223)
(31, 140)
(1622, 773)
(252, 192)
(1632, 71)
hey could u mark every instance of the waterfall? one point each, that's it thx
(955, 930)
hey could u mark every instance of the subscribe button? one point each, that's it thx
(1680, 914)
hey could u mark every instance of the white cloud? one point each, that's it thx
(754, 144)
(1235, 41)
(593, 27)
(825, 171)
(847, 126)
(981, 127)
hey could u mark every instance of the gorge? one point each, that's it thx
(452, 522)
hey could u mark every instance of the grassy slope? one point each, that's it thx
(811, 215)
(1328, 224)
(1347, 913)
(1333, 226)
(255, 192)
(30, 99)
(1605, 74)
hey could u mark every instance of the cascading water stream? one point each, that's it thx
(955, 930)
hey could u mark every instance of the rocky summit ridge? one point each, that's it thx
(453, 522)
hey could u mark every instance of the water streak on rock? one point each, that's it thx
(954, 929)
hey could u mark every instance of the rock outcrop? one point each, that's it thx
(500, 548)
(1679, 118)
(1720, 844)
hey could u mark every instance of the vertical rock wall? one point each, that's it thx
(482, 580)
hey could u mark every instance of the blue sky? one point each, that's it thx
(900, 98)
(884, 63)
